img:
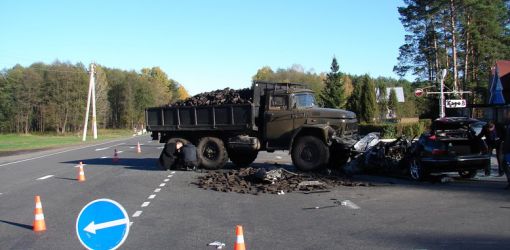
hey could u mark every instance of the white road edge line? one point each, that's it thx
(145, 204)
(152, 196)
(45, 177)
(137, 213)
(162, 184)
(157, 190)
(56, 153)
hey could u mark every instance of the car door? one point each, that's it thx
(279, 122)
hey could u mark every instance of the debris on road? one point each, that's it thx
(217, 244)
(274, 181)
(218, 97)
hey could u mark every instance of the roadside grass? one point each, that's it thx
(16, 142)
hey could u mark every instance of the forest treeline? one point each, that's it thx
(52, 97)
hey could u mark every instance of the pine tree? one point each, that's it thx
(368, 102)
(393, 102)
(332, 96)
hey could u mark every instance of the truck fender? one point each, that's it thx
(324, 130)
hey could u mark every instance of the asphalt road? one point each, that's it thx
(393, 214)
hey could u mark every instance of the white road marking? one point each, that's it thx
(118, 152)
(77, 166)
(152, 196)
(56, 153)
(350, 204)
(131, 224)
(166, 180)
(137, 213)
(161, 147)
(45, 177)
(162, 184)
(1, 193)
(104, 157)
(173, 172)
(157, 190)
(149, 141)
(131, 147)
(170, 176)
(145, 204)
(100, 149)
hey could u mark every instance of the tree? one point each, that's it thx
(295, 74)
(393, 102)
(354, 102)
(182, 93)
(333, 96)
(368, 105)
(382, 101)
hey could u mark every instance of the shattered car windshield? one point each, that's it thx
(305, 100)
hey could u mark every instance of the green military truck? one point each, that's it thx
(281, 116)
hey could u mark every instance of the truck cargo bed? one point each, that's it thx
(224, 117)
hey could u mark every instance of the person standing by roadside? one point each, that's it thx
(506, 159)
(492, 140)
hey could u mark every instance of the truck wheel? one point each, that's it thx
(212, 153)
(309, 153)
(243, 159)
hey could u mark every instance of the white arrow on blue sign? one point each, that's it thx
(102, 224)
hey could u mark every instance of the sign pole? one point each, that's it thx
(441, 99)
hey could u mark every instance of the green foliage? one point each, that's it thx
(295, 74)
(368, 105)
(42, 98)
(332, 95)
(393, 130)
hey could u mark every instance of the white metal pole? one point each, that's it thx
(441, 99)
(88, 107)
(93, 82)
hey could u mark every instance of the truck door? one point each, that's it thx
(278, 121)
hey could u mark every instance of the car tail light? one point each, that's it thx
(439, 152)
(432, 137)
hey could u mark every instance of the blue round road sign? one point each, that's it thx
(102, 224)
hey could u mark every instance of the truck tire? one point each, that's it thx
(242, 159)
(338, 157)
(309, 153)
(212, 153)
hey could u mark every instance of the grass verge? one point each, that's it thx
(17, 142)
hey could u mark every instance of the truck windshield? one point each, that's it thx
(304, 100)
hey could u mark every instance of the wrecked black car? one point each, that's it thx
(451, 145)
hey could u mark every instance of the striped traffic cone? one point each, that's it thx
(239, 238)
(39, 224)
(81, 173)
(138, 148)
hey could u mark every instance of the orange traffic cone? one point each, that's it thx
(39, 224)
(138, 148)
(115, 156)
(81, 173)
(239, 238)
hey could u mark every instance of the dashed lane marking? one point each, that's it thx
(173, 172)
(170, 175)
(152, 196)
(56, 153)
(162, 184)
(161, 147)
(45, 177)
(131, 147)
(157, 190)
(137, 213)
(166, 180)
(118, 152)
(145, 204)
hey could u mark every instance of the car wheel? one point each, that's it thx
(416, 171)
(212, 153)
(467, 174)
(309, 153)
(242, 159)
